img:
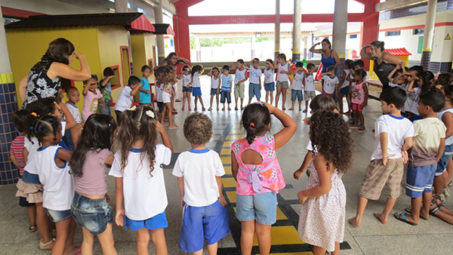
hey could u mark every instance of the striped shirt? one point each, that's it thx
(17, 150)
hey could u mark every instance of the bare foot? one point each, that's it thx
(381, 218)
(203, 109)
(72, 251)
(291, 109)
(223, 109)
(229, 109)
(354, 222)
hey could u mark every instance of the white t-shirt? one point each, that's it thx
(330, 84)
(31, 145)
(125, 99)
(186, 78)
(196, 80)
(391, 84)
(282, 76)
(411, 104)
(74, 110)
(309, 83)
(448, 140)
(239, 75)
(297, 81)
(215, 82)
(346, 82)
(255, 74)
(397, 129)
(159, 92)
(165, 96)
(268, 75)
(144, 195)
(199, 169)
(57, 182)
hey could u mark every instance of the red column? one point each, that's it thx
(370, 26)
(181, 27)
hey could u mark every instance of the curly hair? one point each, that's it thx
(197, 128)
(329, 133)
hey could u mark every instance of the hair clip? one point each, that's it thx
(150, 114)
(133, 108)
(252, 124)
(34, 114)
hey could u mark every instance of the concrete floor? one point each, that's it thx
(433, 236)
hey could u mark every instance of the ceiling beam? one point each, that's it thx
(389, 5)
(166, 4)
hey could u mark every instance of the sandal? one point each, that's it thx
(32, 228)
(46, 246)
(402, 217)
(433, 211)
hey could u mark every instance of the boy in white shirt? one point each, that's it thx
(255, 80)
(394, 135)
(297, 86)
(126, 97)
(330, 81)
(240, 77)
(309, 85)
(199, 172)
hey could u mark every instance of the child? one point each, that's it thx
(269, 84)
(397, 78)
(240, 77)
(50, 164)
(297, 87)
(393, 139)
(146, 93)
(17, 158)
(215, 86)
(73, 98)
(330, 81)
(226, 80)
(105, 86)
(319, 103)
(282, 79)
(186, 88)
(160, 73)
(343, 91)
(323, 210)
(255, 80)
(359, 98)
(413, 89)
(139, 178)
(196, 86)
(91, 97)
(199, 172)
(167, 93)
(126, 97)
(309, 87)
(88, 165)
(256, 169)
(429, 144)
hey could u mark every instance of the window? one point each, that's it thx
(353, 36)
(420, 44)
(418, 31)
(393, 33)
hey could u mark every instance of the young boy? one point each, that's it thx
(105, 86)
(309, 85)
(225, 83)
(255, 80)
(73, 98)
(429, 144)
(239, 78)
(297, 87)
(330, 81)
(146, 93)
(199, 172)
(393, 139)
(126, 97)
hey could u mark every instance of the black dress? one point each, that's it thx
(382, 70)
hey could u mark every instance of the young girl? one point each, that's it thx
(91, 97)
(269, 84)
(50, 164)
(196, 86)
(215, 86)
(256, 169)
(88, 164)
(322, 215)
(359, 98)
(140, 184)
(167, 93)
(344, 89)
(282, 79)
(186, 88)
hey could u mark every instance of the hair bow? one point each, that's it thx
(150, 114)
(252, 124)
(133, 108)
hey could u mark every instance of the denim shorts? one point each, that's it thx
(225, 95)
(186, 89)
(213, 92)
(254, 91)
(443, 162)
(92, 214)
(155, 222)
(344, 90)
(59, 215)
(296, 94)
(260, 207)
(269, 86)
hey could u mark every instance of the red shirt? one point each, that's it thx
(17, 150)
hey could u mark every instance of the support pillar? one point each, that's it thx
(8, 103)
(197, 48)
(371, 24)
(428, 33)
(158, 16)
(277, 28)
(306, 47)
(340, 24)
(297, 20)
(121, 6)
(181, 27)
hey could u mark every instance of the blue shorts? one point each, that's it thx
(345, 90)
(419, 180)
(260, 207)
(443, 162)
(225, 95)
(269, 86)
(186, 89)
(254, 90)
(92, 214)
(156, 222)
(199, 223)
(196, 92)
(296, 94)
(59, 215)
(213, 92)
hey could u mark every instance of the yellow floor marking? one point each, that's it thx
(231, 196)
(227, 144)
(228, 182)
(281, 215)
(283, 235)
(225, 151)
(233, 137)
(226, 160)
(227, 169)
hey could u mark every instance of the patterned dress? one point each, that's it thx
(322, 219)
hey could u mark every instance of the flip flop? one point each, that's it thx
(408, 210)
(402, 217)
(432, 212)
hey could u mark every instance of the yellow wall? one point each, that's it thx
(27, 46)
(142, 50)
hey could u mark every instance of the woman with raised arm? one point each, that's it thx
(329, 57)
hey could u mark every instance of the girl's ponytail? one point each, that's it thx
(255, 120)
